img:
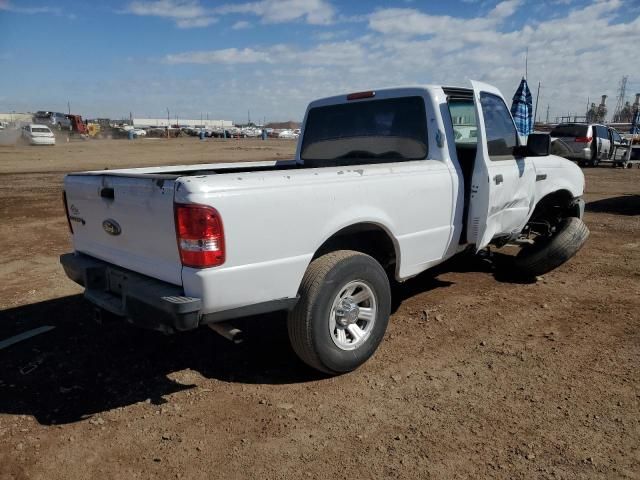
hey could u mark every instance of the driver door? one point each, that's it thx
(503, 183)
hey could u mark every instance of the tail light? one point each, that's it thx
(583, 140)
(200, 236)
(66, 210)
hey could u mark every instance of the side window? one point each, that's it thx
(463, 117)
(502, 136)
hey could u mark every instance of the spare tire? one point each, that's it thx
(548, 253)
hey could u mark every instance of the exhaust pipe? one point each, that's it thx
(228, 331)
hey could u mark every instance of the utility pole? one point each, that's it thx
(248, 117)
(547, 114)
(622, 92)
(69, 107)
(168, 122)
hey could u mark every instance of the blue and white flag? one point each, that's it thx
(522, 109)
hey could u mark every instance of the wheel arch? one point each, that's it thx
(367, 237)
(561, 198)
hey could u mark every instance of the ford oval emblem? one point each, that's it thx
(111, 227)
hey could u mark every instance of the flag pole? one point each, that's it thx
(535, 112)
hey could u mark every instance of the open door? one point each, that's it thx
(502, 184)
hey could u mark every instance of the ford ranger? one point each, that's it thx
(385, 184)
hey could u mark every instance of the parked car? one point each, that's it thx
(37, 134)
(288, 134)
(380, 190)
(53, 119)
(588, 144)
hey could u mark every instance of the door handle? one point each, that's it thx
(498, 179)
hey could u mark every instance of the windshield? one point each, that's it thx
(570, 131)
(391, 129)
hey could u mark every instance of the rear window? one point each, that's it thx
(40, 130)
(378, 130)
(570, 131)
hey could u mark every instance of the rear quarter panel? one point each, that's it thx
(275, 221)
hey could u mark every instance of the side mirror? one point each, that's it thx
(538, 145)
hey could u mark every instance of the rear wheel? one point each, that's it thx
(343, 312)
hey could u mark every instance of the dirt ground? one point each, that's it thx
(477, 377)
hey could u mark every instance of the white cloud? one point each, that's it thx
(413, 22)
(167, 8)
(346, 54)
(196, 22)
(241, 25)
(186, 13)
(315, 12)
(226, 55)
(408, 46)
(193, 13)
(7, 6)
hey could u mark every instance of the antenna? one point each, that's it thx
(526, 63)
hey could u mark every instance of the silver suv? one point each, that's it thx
(53, 119)
(588, 144)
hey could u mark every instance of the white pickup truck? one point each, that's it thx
(385, 185)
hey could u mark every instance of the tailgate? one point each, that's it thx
(126, 221)
(576, 147)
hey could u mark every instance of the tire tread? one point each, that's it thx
(299, 324)
(560, 249)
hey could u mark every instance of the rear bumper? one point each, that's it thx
(42, 141)
(148, 302)
(583, 154)
(144, 301)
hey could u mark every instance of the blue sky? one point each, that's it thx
(274, 56)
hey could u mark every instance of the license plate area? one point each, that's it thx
(116, 281)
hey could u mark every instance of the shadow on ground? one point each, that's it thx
(623, 205)
(81, 368)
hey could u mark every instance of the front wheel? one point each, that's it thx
(343, 312)
(549, 252)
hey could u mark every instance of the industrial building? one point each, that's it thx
(15, 117)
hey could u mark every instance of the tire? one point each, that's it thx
(549, 253)
(313, 323)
